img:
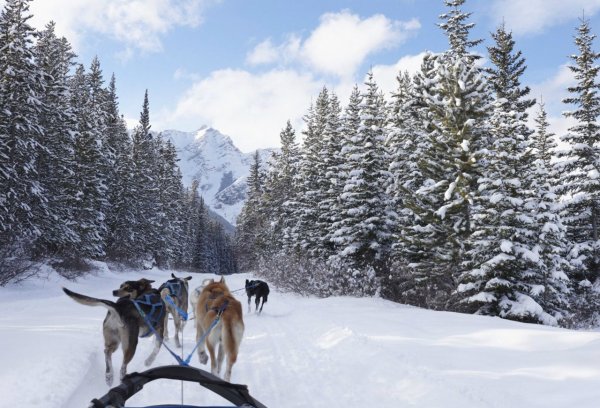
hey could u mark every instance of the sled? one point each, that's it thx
(237, 394)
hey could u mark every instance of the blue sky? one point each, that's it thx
(246, 66)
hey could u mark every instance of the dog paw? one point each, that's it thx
(203, 357)
(109, 379)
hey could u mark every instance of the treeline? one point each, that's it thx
(443, 196)
(74, 184)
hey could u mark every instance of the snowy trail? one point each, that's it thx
(337, 352)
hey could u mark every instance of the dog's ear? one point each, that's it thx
(222, 279)
(188, 278)
(247, 282)
(173, 276)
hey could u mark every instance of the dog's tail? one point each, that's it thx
(90, 301)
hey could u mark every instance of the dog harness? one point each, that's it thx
(174, 285)
(220, 309)
(156, 313)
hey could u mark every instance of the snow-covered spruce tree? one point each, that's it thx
(550, 284)
(121, 220)
(364, 233)
(454, 107)
(502, 267)
(190, 227)
(56, 164)
(311, 183)
(333, 177)
(145, 182)
(579, 169)
(505, 75)
(457, 30)
(279, 187)
(250, 231)
(402, 142)
(23, 208)
(505, 275)
(201, 252)
(91, 190)
(171, 204)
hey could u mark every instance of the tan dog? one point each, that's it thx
(216, 300)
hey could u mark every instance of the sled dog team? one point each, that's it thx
(141, 311)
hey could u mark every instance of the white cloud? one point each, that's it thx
(137, 24)
(339, 45)
(534, 16)
(251, 108)
(385, 75)
(552, 92)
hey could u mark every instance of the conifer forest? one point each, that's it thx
(452, 193)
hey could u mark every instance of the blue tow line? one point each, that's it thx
(179, 360)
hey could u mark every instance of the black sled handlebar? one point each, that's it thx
(116, 397)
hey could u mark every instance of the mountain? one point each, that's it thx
(220, 167)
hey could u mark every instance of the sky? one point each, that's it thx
(245, 67)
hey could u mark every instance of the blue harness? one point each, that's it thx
(174, 285)
(175, 290)
(156, 313)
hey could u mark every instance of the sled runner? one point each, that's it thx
(237, 394)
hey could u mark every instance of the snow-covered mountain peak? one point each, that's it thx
(209, 156)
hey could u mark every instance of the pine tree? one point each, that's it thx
(250, 231)
(23, 208)
(457, 30)
(579, 168)
(91, 190)
(170, 203)
(453, 106)
(504, 256)
(505, 76)
(364, 232)
(57, 162)
(121, 220)
(280, 187)
(145, 186)
(551, 283)
(333, 177)
(311, 181)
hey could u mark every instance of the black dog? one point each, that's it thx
(259, 289)
(124, 323)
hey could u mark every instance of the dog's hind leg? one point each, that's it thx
(166, 323)
(249, 308)
(202, 356)
(220, 357)
(130, 341)
(155, 350)
(111, 344)
(210, 346)
(232, 338)
(264, 300)
(109, 348)
(177, 319)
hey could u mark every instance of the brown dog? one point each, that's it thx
(123, 323)
(215, 300)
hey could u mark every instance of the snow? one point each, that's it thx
(210, 157)
(303, 351)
